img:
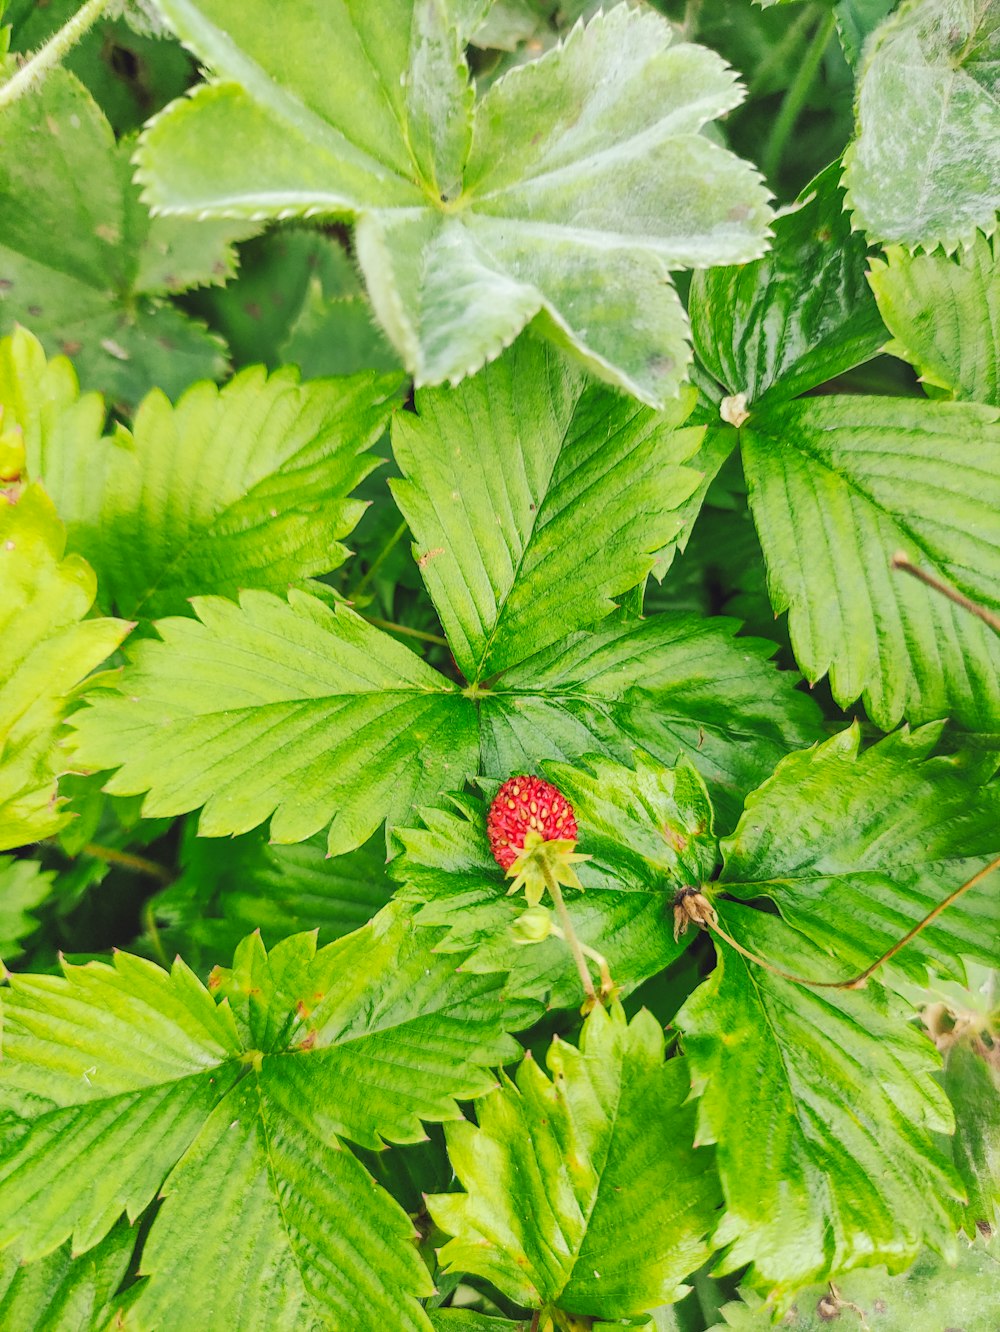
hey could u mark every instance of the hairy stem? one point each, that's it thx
(989, 617)
(59, 45)
(405, 629)
(858, 982)
(796, 96)
(126, 860)
(555, 892)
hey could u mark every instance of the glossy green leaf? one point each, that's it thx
(932, 1294)
(822, 1106)
(838, 486)
(73, 1294)
(123, 1082)
(568, 192)
(801, 315)
(513, 480)
(86, 268)
(944, 316)
(228, 888)
(647, 831)
(856, 847)
(571, 1200)
(247, 486)
(924, 168)
(48, 648)
(364, 729)
(23, 885)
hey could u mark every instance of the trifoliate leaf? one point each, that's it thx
(838, 1087)
(228, 888)
(647, 832)
(87, 269)
(514, 480)
(796, 318)
(48, 648)
(932, 1294)
(924, 168)
(121, 1082)
(63, 1291)
(569, 192)
(566, 1205)
(838, 486)
(944, 316)
(23, 885)
(367, 729)
(855, 848)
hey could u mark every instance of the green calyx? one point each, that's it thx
(544, 863)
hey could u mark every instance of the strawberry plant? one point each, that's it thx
(499, 665)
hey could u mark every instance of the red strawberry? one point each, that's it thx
(524, 803)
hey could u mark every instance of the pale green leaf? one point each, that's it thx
(71, 1294)
(48, 648)
(801, 315)
(569, 192)
(944, 316)
(124, 1082)
(838, 486)
(972, 1081)
(247, 486)
(569, 1201)
(85, 269)
(355, 727)
(924, 168)
(646, 831)
(513, 480)
(228, 888)
(23, 885)
(857, 847)
(822, 1106)
(933, 1294)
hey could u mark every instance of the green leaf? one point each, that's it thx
(23, 885)
(462, 1320)
(513, 480)
(648, 832)
(822, 1106)
(972, 1081)
(855, 848)
(838, 485)
(229, 888)
(673, 683)
(566, 1204)
(123, 1082)
(87, 269)
(569, 192)
(63, 1291)
(944, 316)
(932, 1294)
(856, 21)
(924, 168)
(366, 729)
(48, 649)
(247, 486)
(801, 315)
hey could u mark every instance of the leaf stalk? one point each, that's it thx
(34, 70)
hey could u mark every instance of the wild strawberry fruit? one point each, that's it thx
(532, 833)
(523, 803)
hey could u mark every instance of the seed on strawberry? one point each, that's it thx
(523, 804)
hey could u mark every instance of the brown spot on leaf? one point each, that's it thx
(429, 555)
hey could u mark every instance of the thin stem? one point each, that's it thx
(858, 982)
(796, 95)
(405, 629)
(153, 930)
(555, 892)
(535, 1320)
(379, 560)
(778, 53)
(959, 598)
(127, 860)
(59, 44)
